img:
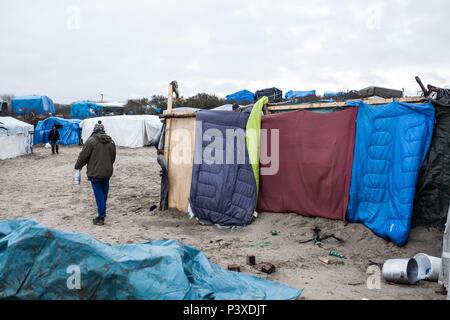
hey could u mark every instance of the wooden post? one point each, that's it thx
(170, 100)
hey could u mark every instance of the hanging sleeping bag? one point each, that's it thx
(223, 189)
(392, 142)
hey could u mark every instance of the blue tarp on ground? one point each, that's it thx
(69, 130)
(392, 142)
(41, 263)
(299, 94)
(85, 109)
(223, 189)
(40, 105)
(241, 97)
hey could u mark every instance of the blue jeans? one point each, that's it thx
(101, 189)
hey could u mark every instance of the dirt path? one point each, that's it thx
(40, 187)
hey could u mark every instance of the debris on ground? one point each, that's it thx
(336, 254)
(264, 244)
(251, 261)
(317, 239)
(234, 267)
(329, 261)
(268, 268)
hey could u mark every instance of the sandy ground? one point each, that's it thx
(40, 187)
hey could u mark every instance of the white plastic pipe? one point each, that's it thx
(401, 271)
(429, 267)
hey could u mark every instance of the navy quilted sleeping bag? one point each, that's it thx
(392, 142)
(222, 193)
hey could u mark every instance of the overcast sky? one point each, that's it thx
(71, 50)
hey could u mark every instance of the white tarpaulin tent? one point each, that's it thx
(16, 138)
(126, 131)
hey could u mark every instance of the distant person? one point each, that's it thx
(99, 153)
(53, 139)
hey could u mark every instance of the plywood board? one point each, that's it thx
(181, 158)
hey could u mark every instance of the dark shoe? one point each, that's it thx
(99, 221)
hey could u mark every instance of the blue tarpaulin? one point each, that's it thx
(392, 142)
(69, 130)
(40, 105)
(333, 94)
(41, 263)
(85, 109)
(299, 94)
(241, 97)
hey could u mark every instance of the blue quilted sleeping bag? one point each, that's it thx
(222, 193)
(392, 142)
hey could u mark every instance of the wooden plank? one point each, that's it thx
(167, 141)
(177, 115)
(287, 107)
(181, 159)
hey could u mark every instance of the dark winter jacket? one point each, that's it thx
(53, 136)
(99, 153)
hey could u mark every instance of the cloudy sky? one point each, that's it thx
(73, 50)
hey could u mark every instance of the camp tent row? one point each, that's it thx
(17, 137)
(88, 109)
(246, 96)
(126, 131)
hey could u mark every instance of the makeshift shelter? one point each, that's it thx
(383, 204)
(112, 108)
(3, 108)
(16, 138)
(85, 109)
(392, 142)
(433, 188)
(299, 94)
(380, 92)
(69, 130)
(158, 270)
(126, 131)
(223, 190)
(315, 156)
(333, 94)
(39, 105)
(243, 96)
(226, 107)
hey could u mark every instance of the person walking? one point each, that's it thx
(99, 154)
(53, 139)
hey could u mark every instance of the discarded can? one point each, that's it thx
(275, 233)
(234, 268)
(268, 268)
(251, 260)
(401, 271)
